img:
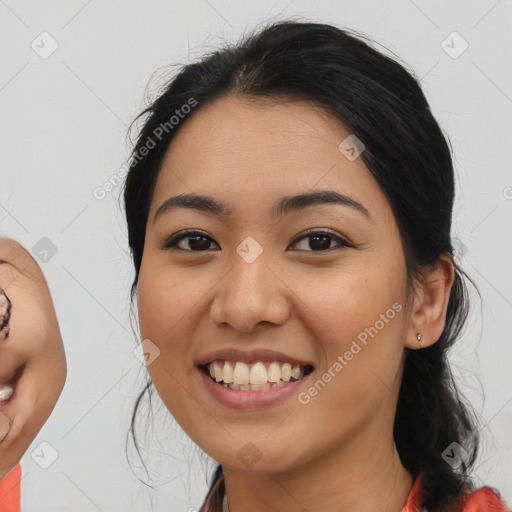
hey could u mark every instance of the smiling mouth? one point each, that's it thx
(257, 377)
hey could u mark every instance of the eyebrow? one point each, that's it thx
(282, 207)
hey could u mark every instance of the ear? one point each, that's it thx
(428, 311)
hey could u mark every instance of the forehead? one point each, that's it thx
(238, 128)
(247, 151)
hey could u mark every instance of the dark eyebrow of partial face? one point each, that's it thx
(282, 207)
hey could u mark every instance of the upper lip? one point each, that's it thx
(249, 357)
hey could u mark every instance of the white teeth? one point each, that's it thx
(286, 372)
(296, 371)
(258, 374)
(227, 372)
(240, 375)
(217, 372)
(5, 392)
(274, 372)
(255, 387)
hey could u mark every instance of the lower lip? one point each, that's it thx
(237, 399)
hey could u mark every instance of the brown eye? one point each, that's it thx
(320, 241)
(196, 240)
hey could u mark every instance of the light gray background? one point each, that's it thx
(63, 127)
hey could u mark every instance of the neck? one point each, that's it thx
(342, 480)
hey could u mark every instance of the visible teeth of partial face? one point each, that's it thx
(5, 392)
(254, 387)
(218, 373)
(257, 374)
(296, 371)
(227, 373)
(274, 372)
(242, 374)
(286, 372)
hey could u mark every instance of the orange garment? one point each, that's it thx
(10, 490)
(484, 499)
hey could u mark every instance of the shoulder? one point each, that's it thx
(485, 499)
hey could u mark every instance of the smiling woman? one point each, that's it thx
(291, 238)
(32, 363)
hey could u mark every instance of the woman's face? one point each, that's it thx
(257, 281)
(32, 358)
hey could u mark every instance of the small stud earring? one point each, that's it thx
(418, 337)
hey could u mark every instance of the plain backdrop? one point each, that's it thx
(73, 75)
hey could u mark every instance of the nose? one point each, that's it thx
(251, 296)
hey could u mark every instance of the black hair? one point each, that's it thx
(379, 101)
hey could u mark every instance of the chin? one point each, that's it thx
(255, 457)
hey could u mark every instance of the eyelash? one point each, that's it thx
(172, 241)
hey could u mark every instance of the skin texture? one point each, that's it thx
(32, 356)
(335, 453)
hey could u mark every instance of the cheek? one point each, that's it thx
(350, 299)
(168, 304)
(159, 300)
(159, 312)
(357, 315)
